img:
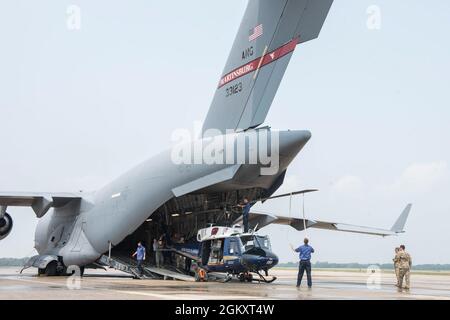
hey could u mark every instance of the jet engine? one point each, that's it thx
(6, 224)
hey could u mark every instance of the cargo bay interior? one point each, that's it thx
(178, 221)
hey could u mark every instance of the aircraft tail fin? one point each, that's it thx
(267, 37)
(399, 225)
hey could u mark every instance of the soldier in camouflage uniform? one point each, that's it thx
(396, 266)
(405, 262)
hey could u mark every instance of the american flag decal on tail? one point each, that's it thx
(256, 32)
(268, 34)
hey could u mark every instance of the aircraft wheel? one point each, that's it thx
(241, 277)
(51, 269)
(249, 277)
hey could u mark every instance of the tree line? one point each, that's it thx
(353, 265)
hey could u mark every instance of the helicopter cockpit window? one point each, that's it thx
(262, 242)
(235, 246)
(249, 244)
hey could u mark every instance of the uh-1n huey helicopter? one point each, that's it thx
(235, 253)
(232, 251)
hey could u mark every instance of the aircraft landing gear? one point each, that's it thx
(50, 270)
(55, 268)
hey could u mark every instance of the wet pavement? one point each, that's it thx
(328, 284)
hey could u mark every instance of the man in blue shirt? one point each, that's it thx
(140, 257)
(246, 206)
(305, 262)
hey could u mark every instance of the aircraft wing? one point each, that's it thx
(264, 219)
(40, 202)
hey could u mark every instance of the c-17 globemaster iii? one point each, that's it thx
(172, 194)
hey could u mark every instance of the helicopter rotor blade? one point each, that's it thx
(287, 195)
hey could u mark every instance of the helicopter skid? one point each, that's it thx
(263, 279)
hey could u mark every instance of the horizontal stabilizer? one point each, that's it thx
(286, 195)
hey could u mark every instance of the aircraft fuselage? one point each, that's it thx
(81, 232)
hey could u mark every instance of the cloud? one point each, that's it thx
(348, 185)
(422, 177)
(291, 183)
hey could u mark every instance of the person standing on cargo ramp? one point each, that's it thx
(305, 262)
(140, 257)
(159, 258)
(246, 206)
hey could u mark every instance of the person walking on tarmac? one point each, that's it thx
(305, 262)
(140, 257)
(405, 263)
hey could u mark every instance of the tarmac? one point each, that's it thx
(327, 284)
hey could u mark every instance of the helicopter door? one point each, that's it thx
(216, 255)
(206, 251)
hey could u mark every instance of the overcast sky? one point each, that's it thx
(80, 107)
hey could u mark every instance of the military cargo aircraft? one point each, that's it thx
(163, 196)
